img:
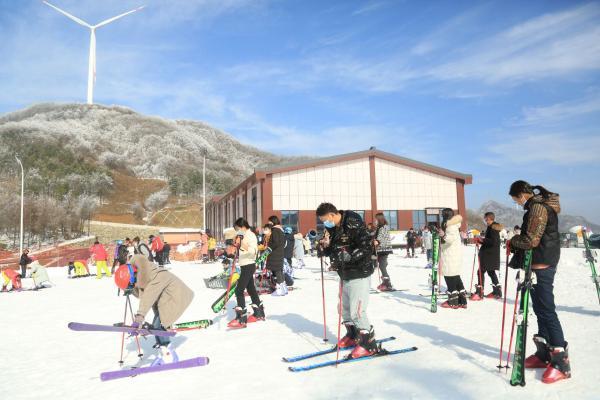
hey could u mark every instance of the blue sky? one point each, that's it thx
(503, 90)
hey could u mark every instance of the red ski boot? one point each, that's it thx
(541, 358)
(241, 319)
(385, 285)
(478, 294)
(351, 335)
(559, 367)
(367, 346)
(496, 292)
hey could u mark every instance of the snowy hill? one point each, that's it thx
(456, 358)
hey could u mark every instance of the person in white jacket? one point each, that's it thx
(451, 258)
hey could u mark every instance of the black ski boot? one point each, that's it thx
(462, 299)
(452, 301)
(258, 313)
(241, 319)
(367, 346)
(350, 340)
(559, 367)
(496, 292)
(541, 358)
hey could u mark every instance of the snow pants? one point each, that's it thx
(100, 267)
(542, 298)
(355, 300)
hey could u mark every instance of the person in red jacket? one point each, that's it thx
(156, 246)
(11, 276)
(100, 256)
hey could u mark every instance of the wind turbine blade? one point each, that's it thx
(74, 18)
(108, 21)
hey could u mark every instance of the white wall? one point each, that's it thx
(404, 188)
(345, 184)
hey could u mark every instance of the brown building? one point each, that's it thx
(410, 193)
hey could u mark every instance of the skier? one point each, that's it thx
(248, 248)
(120, 255)
(159, 290)
(299, 250)
(348, 245)
(428, 244)
(383, 248)
(289, 245)
(212, 246)
(11, 276)
(276, 239)
(489, 259)
(167, 253)
(24, 261)
(39, 275)
(156, 247)
(451, 259)
(411, 240)
(130, 248)
(539, 232)
(99, 256)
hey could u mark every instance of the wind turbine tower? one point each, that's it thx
(92, 60)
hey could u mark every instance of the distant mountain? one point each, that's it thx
(510, 217)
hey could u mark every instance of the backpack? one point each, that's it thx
(159, 243)
(122, 254)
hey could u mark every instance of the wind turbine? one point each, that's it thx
(92, 60)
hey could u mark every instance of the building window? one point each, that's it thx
(418, 219)
(361, 213)
(290, 218)
(391, 216)
(254, 206)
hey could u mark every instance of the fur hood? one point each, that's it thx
(457, 219)
(497, 226)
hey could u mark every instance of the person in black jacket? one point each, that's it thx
(411, 241)
(288, 251)
(489, 259)
(24, 262)
(166, 253)
(276, 240)
(348, 245)
(539, 233)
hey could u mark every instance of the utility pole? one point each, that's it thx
(22, 201)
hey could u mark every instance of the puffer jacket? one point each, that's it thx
(452, 248)
(489, 253)
(155, 285)
(540, 230)
(382, 235)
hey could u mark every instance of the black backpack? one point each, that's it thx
(122, 254)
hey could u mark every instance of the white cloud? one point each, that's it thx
(561, 111)
(369, 7)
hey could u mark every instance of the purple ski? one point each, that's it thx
(124, 373)
(78, 326)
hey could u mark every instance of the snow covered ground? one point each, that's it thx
(457, 356)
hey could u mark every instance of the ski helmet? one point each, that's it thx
(125, 276)
(119, 242)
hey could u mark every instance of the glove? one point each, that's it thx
(344, 256)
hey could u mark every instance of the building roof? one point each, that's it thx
(372, 152)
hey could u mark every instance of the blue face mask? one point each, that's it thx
(329, 224)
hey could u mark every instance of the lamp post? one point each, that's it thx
(204, 192)
(22, 200)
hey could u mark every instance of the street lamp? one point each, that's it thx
(22, 200)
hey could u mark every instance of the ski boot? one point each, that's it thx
(559, 367)
(258, 313)
(429, 265)
(386, 285)
(280, 290)
(452, 301)
(478, 294)
(462, 299)
(166, 355)
(241, 319)
(496, 292)
(367, 346)
(541, 358)
(351, 335)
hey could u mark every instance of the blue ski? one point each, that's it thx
(383, 353)
(330, 350)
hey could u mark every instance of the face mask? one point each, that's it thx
(240, 233)
(329, 224)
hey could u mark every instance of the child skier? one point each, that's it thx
(383, 248)
(489, 258)
(11, 276)
(248, 249)
(159, 290)
(451, 259)
(156, 247)
(99, 255)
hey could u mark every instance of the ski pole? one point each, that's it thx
(323, 298)
(480, 274)
(473, 269)
(337, 357)
(500, 366)
(512, 330)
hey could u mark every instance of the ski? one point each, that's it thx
(434, 270)
(200, 324)
(375, 291)
(518, 372)
(218, 305)
(591, 261)
(330, 350)
(78, 326)
(124, 373)
(382, 353)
